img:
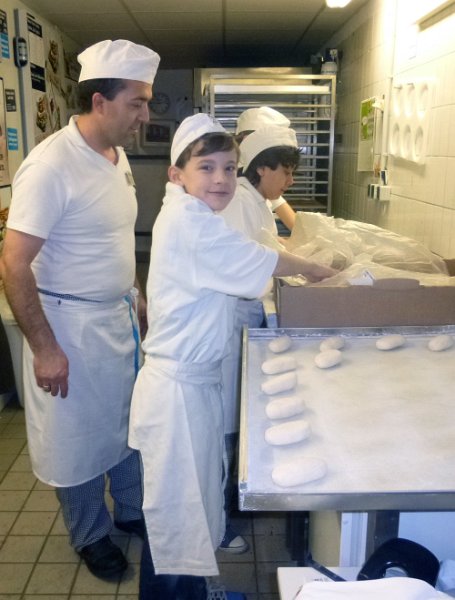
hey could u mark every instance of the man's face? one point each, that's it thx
(124, 114)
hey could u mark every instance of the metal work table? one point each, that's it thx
(382, 421)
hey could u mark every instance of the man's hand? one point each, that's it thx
(51, 371)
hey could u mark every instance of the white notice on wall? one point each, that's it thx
(365, 158)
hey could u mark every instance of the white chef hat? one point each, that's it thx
(264, 138)
(254, 118)
(190, 130)
(118, 59)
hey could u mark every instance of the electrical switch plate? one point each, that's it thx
(385, 192)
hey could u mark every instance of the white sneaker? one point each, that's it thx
(215, 591)
(233, 543)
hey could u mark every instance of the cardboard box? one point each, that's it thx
(389, 302)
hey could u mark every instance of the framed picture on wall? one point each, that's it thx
(156, 136)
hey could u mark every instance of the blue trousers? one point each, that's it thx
(167, 587)
(84, 509)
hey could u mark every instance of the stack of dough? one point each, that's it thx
(330, 354)
(282, 367)
(282, 370)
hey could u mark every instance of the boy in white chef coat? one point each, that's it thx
(198, 266)
(255, 118)
(269, 155)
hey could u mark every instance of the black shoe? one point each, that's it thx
(103, 558)
(137, 527)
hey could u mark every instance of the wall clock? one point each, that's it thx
(160, 103)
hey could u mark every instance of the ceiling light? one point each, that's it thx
(337, 3)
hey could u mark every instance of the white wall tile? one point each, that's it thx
(423, 196)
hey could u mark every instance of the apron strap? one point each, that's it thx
(134, 323)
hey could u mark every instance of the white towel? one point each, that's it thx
(389, 588)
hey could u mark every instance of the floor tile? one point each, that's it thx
(6, 521)
(13, 577)
(134, 551)
(129, 583)
(11, 445)
(18, 481)
(57, 549)
(6, 460)
(98, 597)
(11, 500)
(21, 548)
(49, 579)
(33, 523)
(42, 500)
(32, 529)
(87, 584)
(270, 523)
(238, 577)
(14, 431)
(22, 463)
(266, 577)
(270, 548)
(47, 596)
(58, 527)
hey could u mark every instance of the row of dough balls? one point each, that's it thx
(438, 343)
(283, 369)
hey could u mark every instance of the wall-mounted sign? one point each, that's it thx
(13, 139)
(4, 168)
(4, 43)
(10, 100)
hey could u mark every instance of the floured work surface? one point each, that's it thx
(383, 421)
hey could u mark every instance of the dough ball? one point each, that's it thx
(280, 383)
(280, 344)
(328, 358)
(440, 343)
(281, 408)
(287, 433)
(390, 342)
(280, 364)
(299, 471)
(335, 343)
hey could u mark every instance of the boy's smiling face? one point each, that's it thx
(210, 178)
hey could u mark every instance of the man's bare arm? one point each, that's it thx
(50, 362)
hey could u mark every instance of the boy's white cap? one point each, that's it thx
(264, 138)
(118, 59)
(190, 130)
(254, 118)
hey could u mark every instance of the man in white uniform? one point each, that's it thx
(68, 268)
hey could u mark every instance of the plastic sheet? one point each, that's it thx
(343, 243)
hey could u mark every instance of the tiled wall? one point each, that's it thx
(378, 44)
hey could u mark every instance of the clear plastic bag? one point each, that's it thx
(344, 244)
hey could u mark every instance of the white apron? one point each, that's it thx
(74, 439)
(177, 424)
